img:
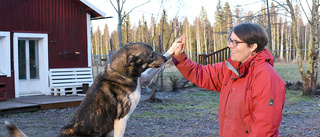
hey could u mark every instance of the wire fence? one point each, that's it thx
(100, 61)
(170, 72)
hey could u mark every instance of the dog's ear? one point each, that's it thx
(132, 61)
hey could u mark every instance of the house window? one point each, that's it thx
(28, 59)
(5, 63)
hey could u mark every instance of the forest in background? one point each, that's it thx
(204, 36)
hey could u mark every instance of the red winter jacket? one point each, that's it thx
(252, 94)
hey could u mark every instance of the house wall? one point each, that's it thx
(65, 22)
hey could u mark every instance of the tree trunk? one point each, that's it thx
(309, 79)
(198, 35)
(281, 41)
(120, 35)
(127, 27)
(312, 73)
(269, 30)
(205, 38)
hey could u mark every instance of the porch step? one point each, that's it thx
(3, 92)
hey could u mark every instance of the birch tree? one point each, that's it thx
(310, 80)
(153, 31)
(205, 23)
(106, 40)
(119, 8)
(309, 77)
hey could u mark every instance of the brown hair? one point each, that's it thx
(251, 33)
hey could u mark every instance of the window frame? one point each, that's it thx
(5, 67)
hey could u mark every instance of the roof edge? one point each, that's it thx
(93, 7)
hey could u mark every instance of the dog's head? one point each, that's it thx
(135, 58)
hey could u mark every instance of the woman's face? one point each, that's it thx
(240, 51)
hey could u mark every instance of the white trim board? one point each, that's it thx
(5, 67)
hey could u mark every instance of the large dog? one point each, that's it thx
(114, 94)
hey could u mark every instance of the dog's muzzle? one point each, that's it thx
(159, 60)
(165, 58)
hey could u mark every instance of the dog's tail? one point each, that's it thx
(13, 130)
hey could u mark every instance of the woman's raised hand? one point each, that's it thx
(180, 44)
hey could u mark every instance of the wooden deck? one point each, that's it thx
(35, 103)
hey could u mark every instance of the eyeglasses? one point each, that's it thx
(234, 42)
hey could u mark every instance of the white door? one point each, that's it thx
(31, 64)
(28, 60)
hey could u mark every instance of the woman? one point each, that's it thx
(252, 94)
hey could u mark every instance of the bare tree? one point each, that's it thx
(310, 80)
(309, 77)
(106, 40)
(119, 10)
(269, 29)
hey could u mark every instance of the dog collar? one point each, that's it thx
(122, 74)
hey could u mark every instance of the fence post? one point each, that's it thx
(161, 46)
(97, 66)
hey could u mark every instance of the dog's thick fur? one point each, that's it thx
(114, 94)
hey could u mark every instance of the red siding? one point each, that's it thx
(64, 21)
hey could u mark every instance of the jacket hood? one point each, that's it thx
(262, 56)
(241, 69)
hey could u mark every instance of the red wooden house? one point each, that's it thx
(39, 35)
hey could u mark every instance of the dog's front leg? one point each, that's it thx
(120, 126)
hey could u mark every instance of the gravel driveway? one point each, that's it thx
(188, 112)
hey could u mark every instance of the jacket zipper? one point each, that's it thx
(251, 66)
(247, 131)
(228, 79)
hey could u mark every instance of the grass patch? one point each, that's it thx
(300, 99)
(293, 93)
(292, 112)
(160, 135)
(152, 115)
(189, 104)
(203, 103)
(193, 100)
(144, 115)
(294, 96)
(290, 72)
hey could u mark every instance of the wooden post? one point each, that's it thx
(161, 46)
